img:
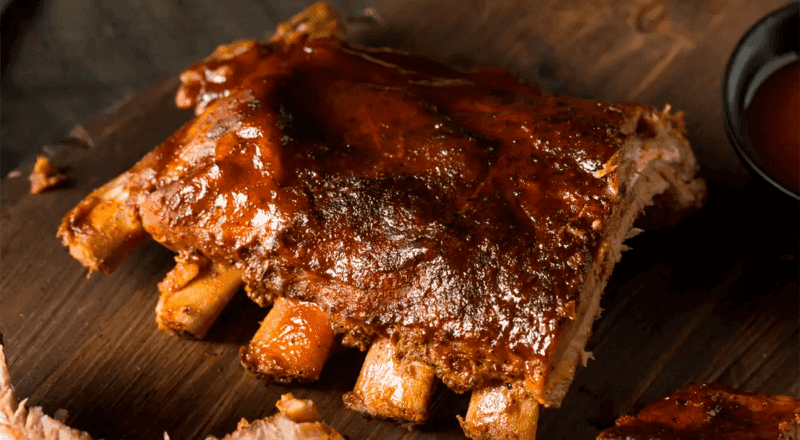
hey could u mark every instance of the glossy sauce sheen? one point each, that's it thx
(773, 119)
(300, 340)
(709, 411)
(394, 192)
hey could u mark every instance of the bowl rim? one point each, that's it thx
(733, 128)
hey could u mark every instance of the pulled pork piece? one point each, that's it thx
(711, 411)
(297, 420)
(17, 422)
(45, 175)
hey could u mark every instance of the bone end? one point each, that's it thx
(103, 230)
(392, 388)
(292, 343)
(193, 295)
(501, 412)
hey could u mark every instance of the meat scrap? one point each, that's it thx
(462, 224)
(45, 175)
(297, 419)
(711, 411)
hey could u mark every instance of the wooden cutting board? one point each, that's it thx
(714, 298)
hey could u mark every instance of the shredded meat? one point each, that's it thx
(297, 419)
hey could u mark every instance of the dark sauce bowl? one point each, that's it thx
(766, 47)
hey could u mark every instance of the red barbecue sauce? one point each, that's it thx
(773, 118)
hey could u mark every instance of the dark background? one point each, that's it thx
(66, 60)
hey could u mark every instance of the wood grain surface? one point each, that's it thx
(714, 298)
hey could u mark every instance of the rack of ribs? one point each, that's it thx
(458, 225)
(711, 411)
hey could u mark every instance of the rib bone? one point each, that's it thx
(392, 388)
(292, 343)
(501, 412)
(104, 229)
(193, 295)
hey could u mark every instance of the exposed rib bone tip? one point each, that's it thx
(293, 342)
(504, 411)
(193, 294)
(392, 388)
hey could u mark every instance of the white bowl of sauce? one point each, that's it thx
(761, 99)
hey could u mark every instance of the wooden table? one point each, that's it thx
(714, 298)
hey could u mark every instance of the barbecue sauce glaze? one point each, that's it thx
(709, 411)
(455, 212)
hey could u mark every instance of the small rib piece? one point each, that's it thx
(711, 411)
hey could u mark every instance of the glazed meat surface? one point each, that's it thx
(711, 411)
(457, 213)
(393, 199)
